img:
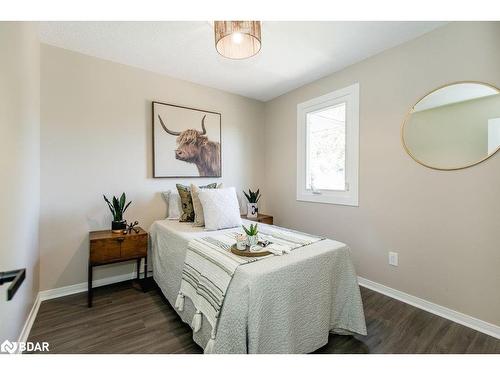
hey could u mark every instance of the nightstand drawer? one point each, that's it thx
(261, 218)
(265, 220)
(134, 247)
(105, 250)
(107, 247)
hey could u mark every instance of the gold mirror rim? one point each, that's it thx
(411, 110)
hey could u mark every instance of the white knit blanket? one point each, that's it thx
(209, 268)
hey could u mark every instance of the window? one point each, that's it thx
(327, 148)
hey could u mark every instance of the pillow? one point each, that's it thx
(187, 210)
(220, 207)
(174, 207)
(199, 219)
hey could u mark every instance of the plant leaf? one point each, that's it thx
(118, 210)
(111, 208)
(106, 199)
(246, 195)
(109, 205)
(128, 204)
(116, 205)
(122, 201)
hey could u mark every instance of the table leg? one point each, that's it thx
(145, 281)
(138, 267)
(89, 292)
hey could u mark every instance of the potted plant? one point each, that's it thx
(252, 233)
(117, 209)
(253, 198)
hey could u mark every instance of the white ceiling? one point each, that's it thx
(292, 54)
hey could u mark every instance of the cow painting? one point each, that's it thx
(193, 146)
(186, 142)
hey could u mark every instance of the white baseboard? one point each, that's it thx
(25, 332)
(82, 287)
(455, 316)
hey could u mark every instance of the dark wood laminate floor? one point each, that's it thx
(126, 320)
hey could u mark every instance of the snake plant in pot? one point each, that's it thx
(118, 208)
(252, 208)
(252, 233)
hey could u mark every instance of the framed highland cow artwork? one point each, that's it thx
(186, 142)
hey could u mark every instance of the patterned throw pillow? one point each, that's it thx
(187, 201)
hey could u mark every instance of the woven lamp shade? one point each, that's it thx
(237, 39)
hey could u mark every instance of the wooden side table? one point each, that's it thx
(261, 218)
(107, 247)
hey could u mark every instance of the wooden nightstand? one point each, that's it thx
(261, 218)
(107, 247)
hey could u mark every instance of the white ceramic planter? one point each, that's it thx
(252, 210)
(252, 241)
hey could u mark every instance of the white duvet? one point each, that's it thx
(283, 304)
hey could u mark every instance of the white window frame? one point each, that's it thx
(349, 196)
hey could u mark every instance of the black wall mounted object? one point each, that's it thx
(16, 277)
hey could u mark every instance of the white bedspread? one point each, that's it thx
(283, 304)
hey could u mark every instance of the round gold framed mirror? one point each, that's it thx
(454, 126)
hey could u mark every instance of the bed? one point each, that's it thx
(282, 304)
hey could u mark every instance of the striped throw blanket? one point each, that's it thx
(209, 268)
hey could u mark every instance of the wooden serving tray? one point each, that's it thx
(248, 253)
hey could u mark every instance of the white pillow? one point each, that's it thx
(220, 208)
(174, 206)
(199, 217)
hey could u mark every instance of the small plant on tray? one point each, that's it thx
(252, 233)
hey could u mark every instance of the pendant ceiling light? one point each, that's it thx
(237, 39)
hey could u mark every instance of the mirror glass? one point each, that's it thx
(454, 127)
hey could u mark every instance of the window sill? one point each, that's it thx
(340, 198)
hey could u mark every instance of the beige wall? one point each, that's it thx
(19, 168)
(96, 139)
(445, 225)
